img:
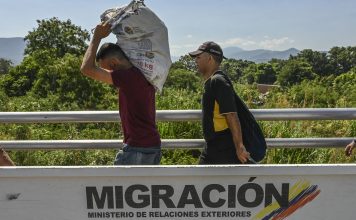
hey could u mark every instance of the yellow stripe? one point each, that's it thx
(295, 190)
(220, 123)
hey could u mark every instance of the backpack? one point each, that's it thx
(252, 134)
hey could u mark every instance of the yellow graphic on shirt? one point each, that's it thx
(220, 123)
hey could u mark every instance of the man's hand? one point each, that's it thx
(242, 154)
(5, 160)
(89, 67)
(102, 31)
(235, 127)
(349, 148)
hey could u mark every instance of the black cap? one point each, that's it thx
(209, 47)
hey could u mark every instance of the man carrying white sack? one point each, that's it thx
(137, 65)
(142, 144)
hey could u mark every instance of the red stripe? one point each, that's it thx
(296, 206)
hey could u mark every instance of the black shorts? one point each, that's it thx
(221, 150)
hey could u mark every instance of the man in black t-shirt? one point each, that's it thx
(5, 160)
(221, 126)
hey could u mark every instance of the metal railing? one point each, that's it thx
(169, 144)
(175, 115)
(172, 116)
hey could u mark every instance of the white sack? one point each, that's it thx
(144, 39)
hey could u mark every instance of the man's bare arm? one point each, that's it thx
(89, 67)
(349, 148)
(5, 160)
(235, 127)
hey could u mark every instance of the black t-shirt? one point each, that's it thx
(218, 99)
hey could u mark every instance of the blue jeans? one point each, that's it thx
(138, 156)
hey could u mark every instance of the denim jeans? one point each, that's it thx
(138, 156)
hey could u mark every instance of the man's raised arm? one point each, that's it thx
(89, 67)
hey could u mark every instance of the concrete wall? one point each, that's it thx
(184, 192)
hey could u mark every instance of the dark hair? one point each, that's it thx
(110, 49)
(218, 59)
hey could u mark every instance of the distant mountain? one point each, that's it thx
(12, 49)
(229, 51)
(258, 56)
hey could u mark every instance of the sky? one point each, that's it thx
(248, 24)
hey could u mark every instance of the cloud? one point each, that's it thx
(265, 43)
(179, 50)
(189, 36)
(275, 43)
(238, 42)
(184, 46)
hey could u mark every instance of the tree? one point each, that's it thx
(250, 78)
(265, 74)
(46, 44)
(60, 37)
(183, 79)
(3, 102)
(343, 59)
(318, 60)
(185, 62)
(237, 69)
(5, 66)
(312, 94)
(294, 72)
(344, 85)
(20, 79)
(62, 78)
(277, 64)
(249, 74)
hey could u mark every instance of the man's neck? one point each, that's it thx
(124, 66)
(210, 73)
(127, 66)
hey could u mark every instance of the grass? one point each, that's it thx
(179, 99)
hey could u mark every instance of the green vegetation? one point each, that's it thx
(49, 80)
